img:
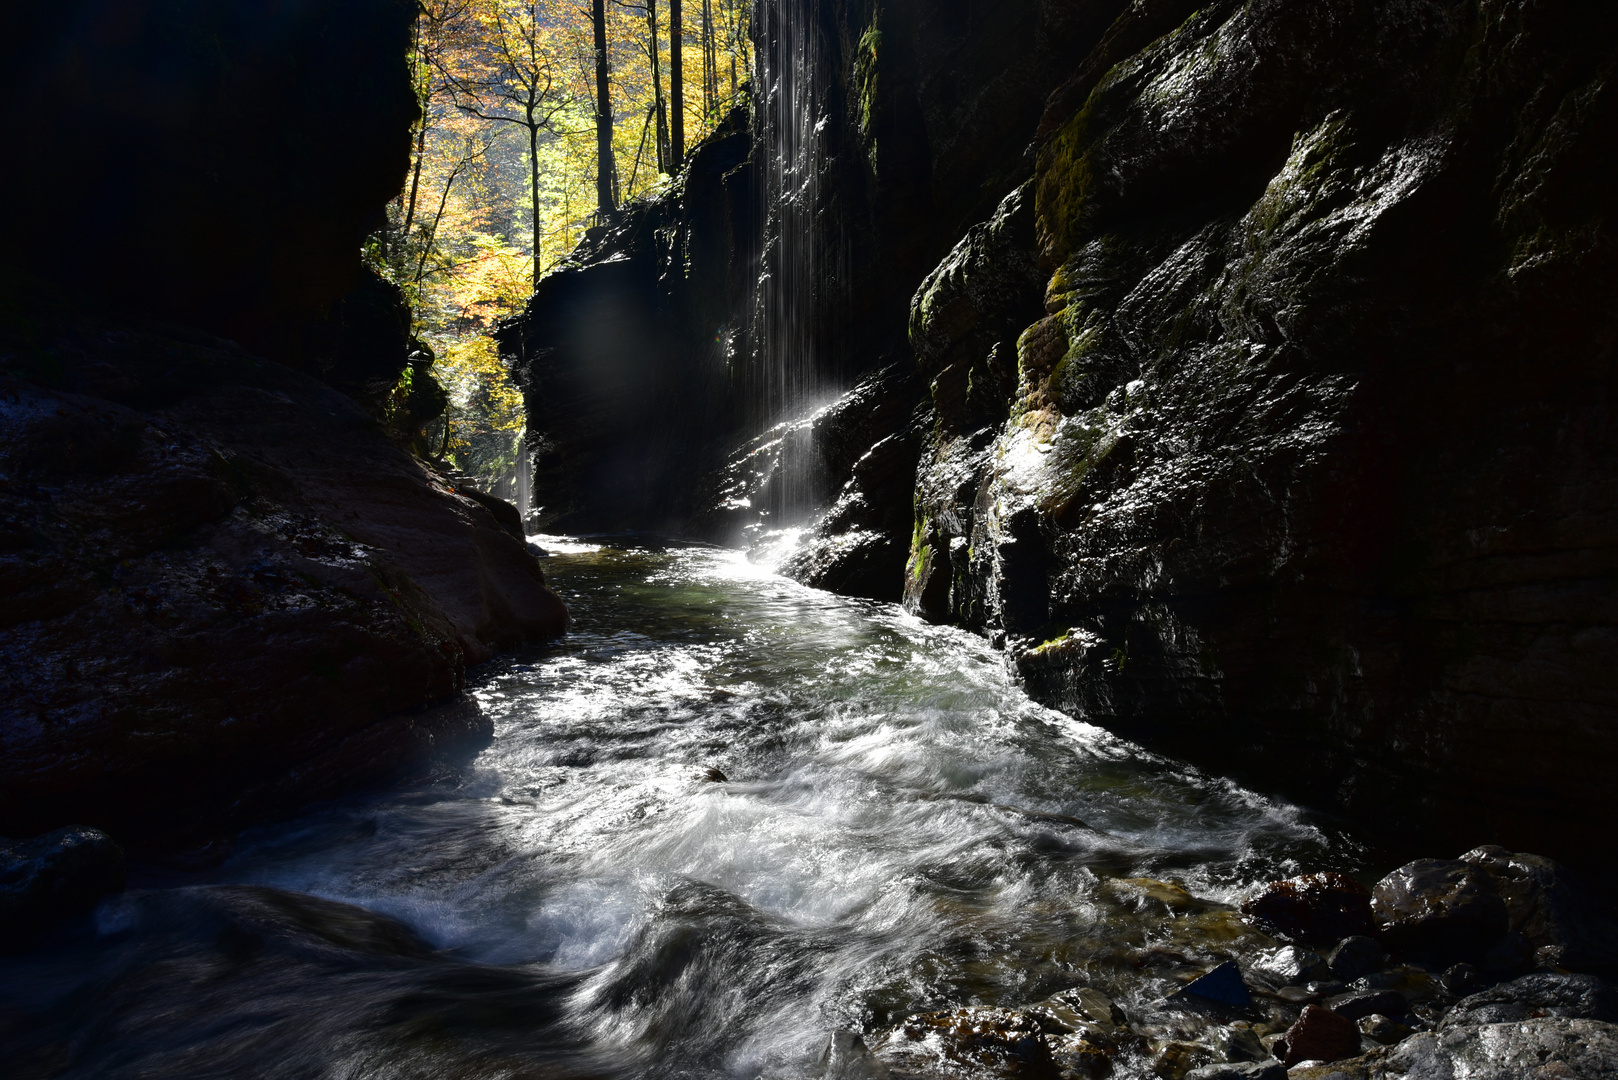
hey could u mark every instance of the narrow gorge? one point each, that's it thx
(1071, 540)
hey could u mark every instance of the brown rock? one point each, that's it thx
(1320, 1035)
(1315, 909)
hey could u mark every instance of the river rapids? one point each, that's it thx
(727, 817)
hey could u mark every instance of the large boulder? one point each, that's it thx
(1442, 910)
(1564, 921)
(58, 875)
(1578, 997)
(1313, 909)
(1540, 1049)
(225, 588)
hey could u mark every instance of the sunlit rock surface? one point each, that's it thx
(220, 580)
(1308, 470)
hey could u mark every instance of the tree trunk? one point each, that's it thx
(676, 86)
(605, 169)
(663, 165)
(533, 180)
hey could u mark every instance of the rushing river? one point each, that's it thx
(726, 817)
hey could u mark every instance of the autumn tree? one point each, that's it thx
(505, 71)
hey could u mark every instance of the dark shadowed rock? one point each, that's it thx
(221, 192)
(227, 590)
(1320, 1035)
(53, 877)
(1222, 988)
(1460, 980)
(1551, 909)
(1315, 909)
(507, 516)
(1383, 1029)
(1443, 910)
(1356, 956)
(1359, 1004)
(1579, 997)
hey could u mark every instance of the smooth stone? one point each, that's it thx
(1221, 986)
(1359, 1004)
(1320, 1035)
(1355, 957)
(1315, 909)
(1298, 995)
(1238, 1042)
(1443, 910)
(1383, 1029)
(1290, 966)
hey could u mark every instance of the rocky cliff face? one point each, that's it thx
(1305, 468)
(1264, 413)
(217, 164)
(223, 590)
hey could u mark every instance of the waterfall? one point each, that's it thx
(790, 303)
(524, 480)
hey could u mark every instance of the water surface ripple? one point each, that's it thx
(897, 828)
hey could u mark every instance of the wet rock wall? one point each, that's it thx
(642, 357)
(1261, 405)
(1306, 470)
(224, 592)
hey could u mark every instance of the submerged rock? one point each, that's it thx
(1240, 1070)
(52, 877)
(970, 1041)
(847, 1058)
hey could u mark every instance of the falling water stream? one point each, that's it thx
(724, 818)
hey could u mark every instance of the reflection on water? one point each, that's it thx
(897, 828)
